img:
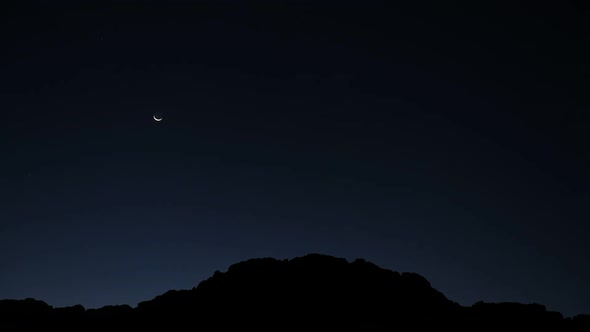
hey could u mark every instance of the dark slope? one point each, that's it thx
(307, 291)
(313, 291)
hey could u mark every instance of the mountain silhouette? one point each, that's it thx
(310, 292)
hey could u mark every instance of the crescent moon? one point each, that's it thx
(157, 119)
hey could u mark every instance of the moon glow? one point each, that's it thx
(157, 118)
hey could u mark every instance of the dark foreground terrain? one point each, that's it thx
(310, 292)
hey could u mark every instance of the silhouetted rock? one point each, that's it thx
(73, 310)
(23, 313)
(582, 318)
(314, 290)
(508, 314)
(309, 292)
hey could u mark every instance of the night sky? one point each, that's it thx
(443, 138)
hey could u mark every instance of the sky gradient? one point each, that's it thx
(448, 140)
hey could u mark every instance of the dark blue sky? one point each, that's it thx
(447, 139)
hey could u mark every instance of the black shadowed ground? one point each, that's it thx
(313, 291)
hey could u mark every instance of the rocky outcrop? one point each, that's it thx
(309, 292)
